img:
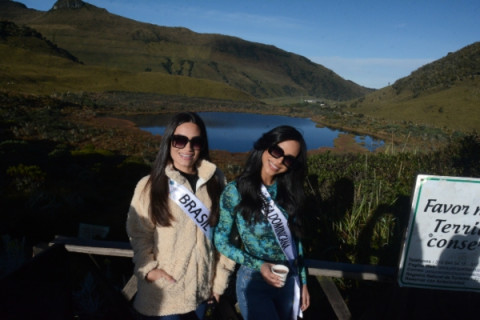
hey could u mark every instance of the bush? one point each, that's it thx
(358, 204)
(26, 178)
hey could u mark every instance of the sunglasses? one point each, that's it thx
(179, 141)
(277, 152)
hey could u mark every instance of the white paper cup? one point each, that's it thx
(281, 271)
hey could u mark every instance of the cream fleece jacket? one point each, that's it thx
(182, 250)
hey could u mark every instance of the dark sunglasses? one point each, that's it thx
(179, 141)
(277, 152)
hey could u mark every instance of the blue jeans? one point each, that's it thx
(198, 314)
(259, 300)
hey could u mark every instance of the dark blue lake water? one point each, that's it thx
(236, 132)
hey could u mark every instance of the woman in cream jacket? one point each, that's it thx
(177, 267)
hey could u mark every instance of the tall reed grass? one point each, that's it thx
(359, 203)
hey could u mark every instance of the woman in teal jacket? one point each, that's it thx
(269, 188)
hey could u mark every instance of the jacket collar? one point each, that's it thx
(205, 170)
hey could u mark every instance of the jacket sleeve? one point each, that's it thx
(303, 269)
(140, 230)
(228, 200)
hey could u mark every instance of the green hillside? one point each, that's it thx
(32, 64)
(99, 38)
(442, 94)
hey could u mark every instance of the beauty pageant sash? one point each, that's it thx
(279, 224)
(191, 205)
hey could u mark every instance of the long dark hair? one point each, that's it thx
(290, 193)
(158, 180)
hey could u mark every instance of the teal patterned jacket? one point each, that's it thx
(259, 242)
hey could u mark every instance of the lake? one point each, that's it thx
(236, 132)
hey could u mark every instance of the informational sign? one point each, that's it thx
(442, 243)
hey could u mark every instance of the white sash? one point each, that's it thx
(279, 224)
(191, 205)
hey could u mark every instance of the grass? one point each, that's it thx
(451, 109)
(45, 74)
(360, 202)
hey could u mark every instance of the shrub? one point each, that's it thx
(26, 178)
(358, 204)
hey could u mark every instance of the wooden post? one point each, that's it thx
(130, 288)
(336, 300)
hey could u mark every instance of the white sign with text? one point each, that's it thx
(442, 244)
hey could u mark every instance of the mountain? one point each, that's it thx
(25, 37)
(31, 64)
(99, 38)
(444, 94)
(441, 74)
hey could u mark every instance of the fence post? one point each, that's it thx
(335, 298)
(130, 288)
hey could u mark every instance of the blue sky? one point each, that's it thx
(371, 42)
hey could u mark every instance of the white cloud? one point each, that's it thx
(371, 72)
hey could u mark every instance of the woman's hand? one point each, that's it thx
(271, 278)
(305, 298)
(156, 274)
(214, 298)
